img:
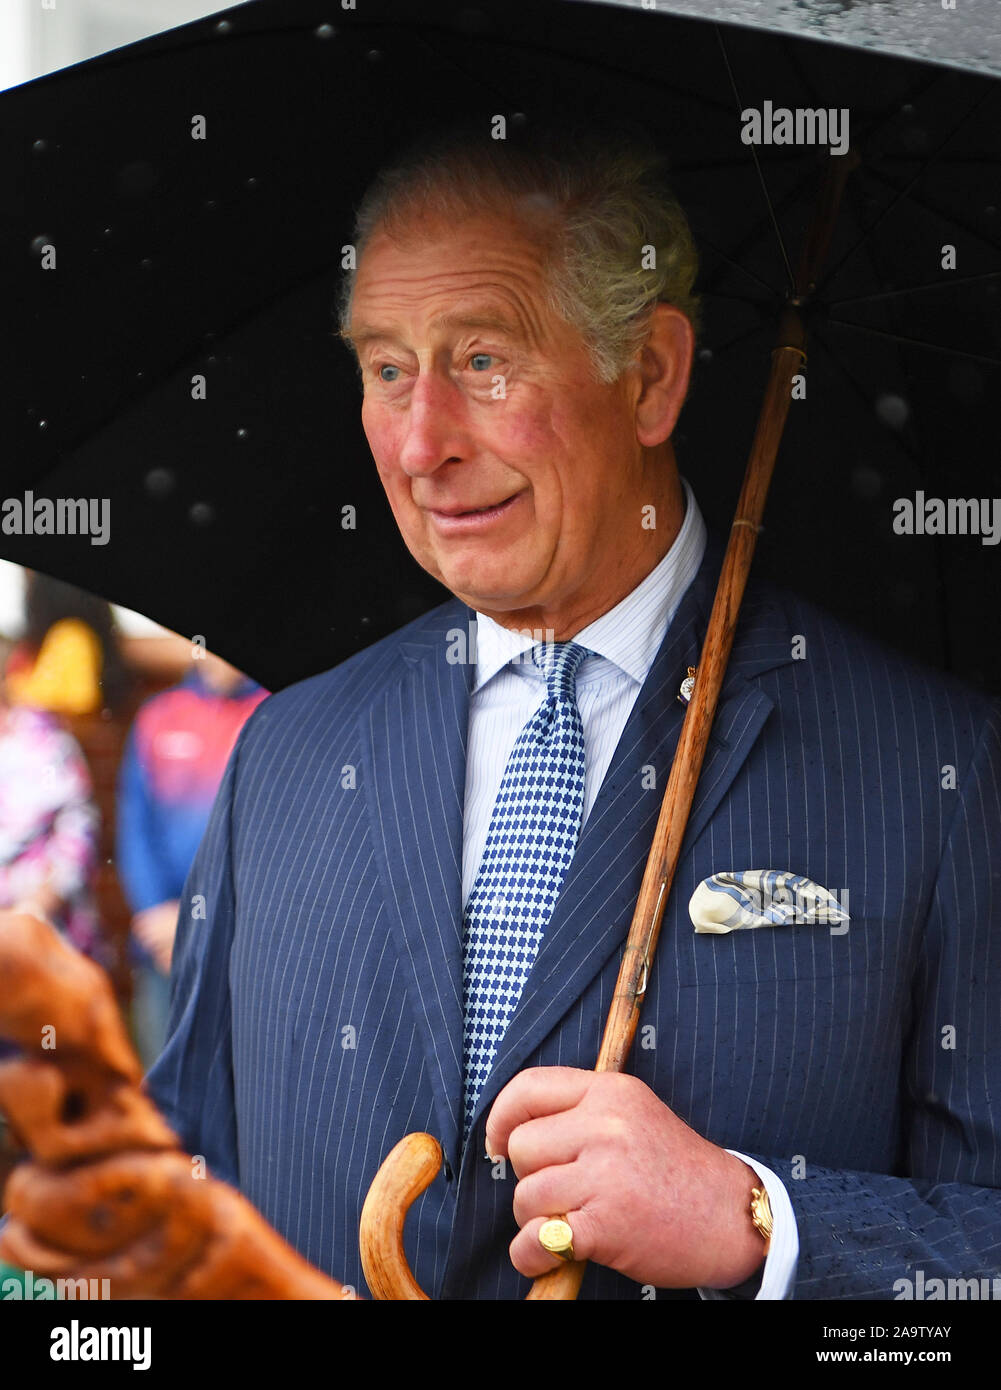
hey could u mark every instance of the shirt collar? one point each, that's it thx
(630, 634)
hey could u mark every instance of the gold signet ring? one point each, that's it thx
(556, 1236)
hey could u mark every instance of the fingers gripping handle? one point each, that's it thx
(409, 1169)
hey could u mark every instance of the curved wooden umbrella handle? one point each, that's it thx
(561, 1283)
(406, 1172)
(410, 1167)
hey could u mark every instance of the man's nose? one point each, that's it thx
(435, 430)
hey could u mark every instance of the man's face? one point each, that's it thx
(477, 395)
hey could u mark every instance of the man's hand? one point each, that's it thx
(155, 928)
(643, 1193)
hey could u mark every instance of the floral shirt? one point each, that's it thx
(49, 824)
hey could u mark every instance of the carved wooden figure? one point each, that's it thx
(108, 1193)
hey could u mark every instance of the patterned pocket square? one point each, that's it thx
(762, 898)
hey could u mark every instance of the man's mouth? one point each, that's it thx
(450, 518)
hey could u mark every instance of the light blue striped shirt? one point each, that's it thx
(507, 692)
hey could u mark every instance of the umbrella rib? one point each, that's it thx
(936, 212)
(736, 265)
(861, 392)
(749, 240)
(903, 192)
(915, 289)
(754, 156)
(917, 342)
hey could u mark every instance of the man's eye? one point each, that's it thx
(387, 367)
(483, 358)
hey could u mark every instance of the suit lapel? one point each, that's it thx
(414, 737)
(596, 904)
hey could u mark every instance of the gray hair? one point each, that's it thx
(617, 241)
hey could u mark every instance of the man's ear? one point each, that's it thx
(665, 364)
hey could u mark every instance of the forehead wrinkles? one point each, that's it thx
(512, 284)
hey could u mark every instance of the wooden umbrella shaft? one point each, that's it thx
(665, 851)
(788, 357)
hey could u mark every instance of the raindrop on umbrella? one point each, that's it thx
(893, 411)
(201, 513)
(159, 482)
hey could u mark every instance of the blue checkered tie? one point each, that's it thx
(531, 840)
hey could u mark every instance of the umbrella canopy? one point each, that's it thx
(179, 360)
(967, 35)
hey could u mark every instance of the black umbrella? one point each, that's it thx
(188, 266)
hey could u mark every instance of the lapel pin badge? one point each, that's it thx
(687, 686)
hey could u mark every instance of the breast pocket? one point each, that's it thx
(799, 951)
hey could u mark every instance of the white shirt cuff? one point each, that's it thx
(783, 1250)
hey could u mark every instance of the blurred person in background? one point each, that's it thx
(68, 660)
(173, 762)
(49, 825)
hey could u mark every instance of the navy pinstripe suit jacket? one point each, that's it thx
(316, 1012)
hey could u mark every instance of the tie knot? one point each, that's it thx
(559, 662)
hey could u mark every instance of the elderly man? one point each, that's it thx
(408, 909)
